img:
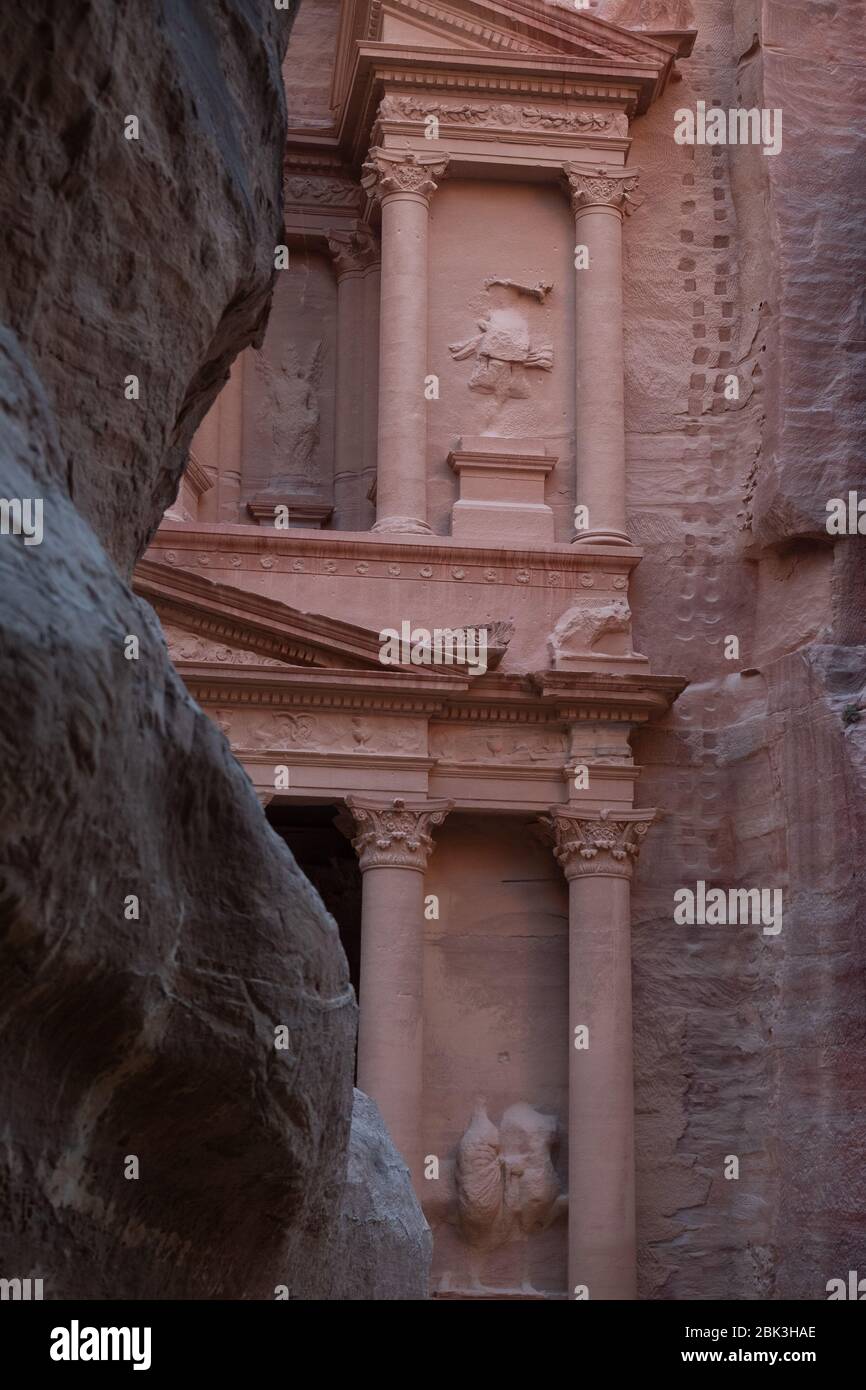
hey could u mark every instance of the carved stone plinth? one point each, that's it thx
(502, 491)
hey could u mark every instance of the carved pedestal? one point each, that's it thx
(502, 491)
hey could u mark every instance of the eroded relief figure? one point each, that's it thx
(648, 14)
(287, 422)
(505, 1182)
(581, 627)
(503, 348)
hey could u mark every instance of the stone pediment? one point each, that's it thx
(513, 26)
(210, 623)
(526, 49)
(526, 36)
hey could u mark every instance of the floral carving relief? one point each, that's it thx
(188, 646)
(518, 747)
(327, 734)
(501, 115)
(327, 192)
(396, 834)
(402, 173)
(600, 843)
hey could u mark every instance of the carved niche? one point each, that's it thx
(287, 418)
(506, 1185)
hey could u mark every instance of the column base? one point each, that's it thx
(407, 524)
(601, 537)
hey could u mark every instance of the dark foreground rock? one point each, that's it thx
(382, 1245)
(153, 931)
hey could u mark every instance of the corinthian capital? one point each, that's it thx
(353, 250)
(395, 833)
(591, 187)
(386, 173)
(606, 843)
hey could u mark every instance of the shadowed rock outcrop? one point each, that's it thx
(153, 931)
(380, 1245)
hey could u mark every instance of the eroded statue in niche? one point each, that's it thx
(505, 1182)
(503, 347)
(287, 421)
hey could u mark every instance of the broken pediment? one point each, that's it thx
(516, 47)
(230, 620)
(511, 26)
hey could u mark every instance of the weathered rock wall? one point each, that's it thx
(380, 1246)
(748, 1044)
(147, 1032)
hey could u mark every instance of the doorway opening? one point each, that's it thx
(330, 863)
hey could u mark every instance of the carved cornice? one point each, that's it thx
(603, 844)
(386, 173)
(396, 833)
(369, 555)
(353, 251)
(592, 187)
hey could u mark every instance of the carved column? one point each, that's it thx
(600, 200)
(597, 851)
(355, 253)
(404, 184)
(393, 843)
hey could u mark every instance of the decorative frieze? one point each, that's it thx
(308, 189)
(500, 115)
(386, 172)
(601, 843)
(396, 833)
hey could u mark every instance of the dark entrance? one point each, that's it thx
(331, 865)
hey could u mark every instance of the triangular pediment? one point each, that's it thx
(513, 26)
(451, 41)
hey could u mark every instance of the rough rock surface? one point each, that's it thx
(153, 1036)
(749, 1045)
(381, 1246)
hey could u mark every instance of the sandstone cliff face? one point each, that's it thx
(142, 1030)
(750, 1045)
